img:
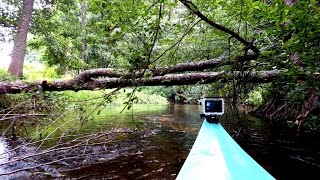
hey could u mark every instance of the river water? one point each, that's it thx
(164, 137)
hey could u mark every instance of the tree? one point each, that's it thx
(135, 36)
(19, 47)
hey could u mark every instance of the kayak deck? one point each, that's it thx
(215, 155)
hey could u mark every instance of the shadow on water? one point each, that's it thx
(160, 149)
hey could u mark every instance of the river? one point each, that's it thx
(163, 138)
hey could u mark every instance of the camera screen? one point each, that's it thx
(212, 106)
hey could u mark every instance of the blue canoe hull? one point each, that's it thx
(215, 155)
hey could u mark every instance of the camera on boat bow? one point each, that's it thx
(212, 107)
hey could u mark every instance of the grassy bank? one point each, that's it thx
(61, 100)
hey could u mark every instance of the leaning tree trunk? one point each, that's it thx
(19, 46)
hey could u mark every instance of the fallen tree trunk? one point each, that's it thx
(180, 67)
(109, 83)
(191, 66)
(77, 84)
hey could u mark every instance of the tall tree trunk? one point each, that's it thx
(19, 46)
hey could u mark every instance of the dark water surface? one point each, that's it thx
(160, 150)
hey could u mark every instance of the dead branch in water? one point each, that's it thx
(79, 142)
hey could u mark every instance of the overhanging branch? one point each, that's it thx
(194, 9)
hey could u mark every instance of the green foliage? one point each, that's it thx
(296, 95)
(96, 97)
(123, 39)
(10, 12)
(5, 101)
(191, 93)
(140, 97)
(291, 33)
(25, 103)
(312, 123)
(159, 90)
(257, 96)
(122, 33)
(38, 72)
(5, 76)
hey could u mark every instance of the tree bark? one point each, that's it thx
(192, 66)
(160, 71)
(108, 83)
(19, 46)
